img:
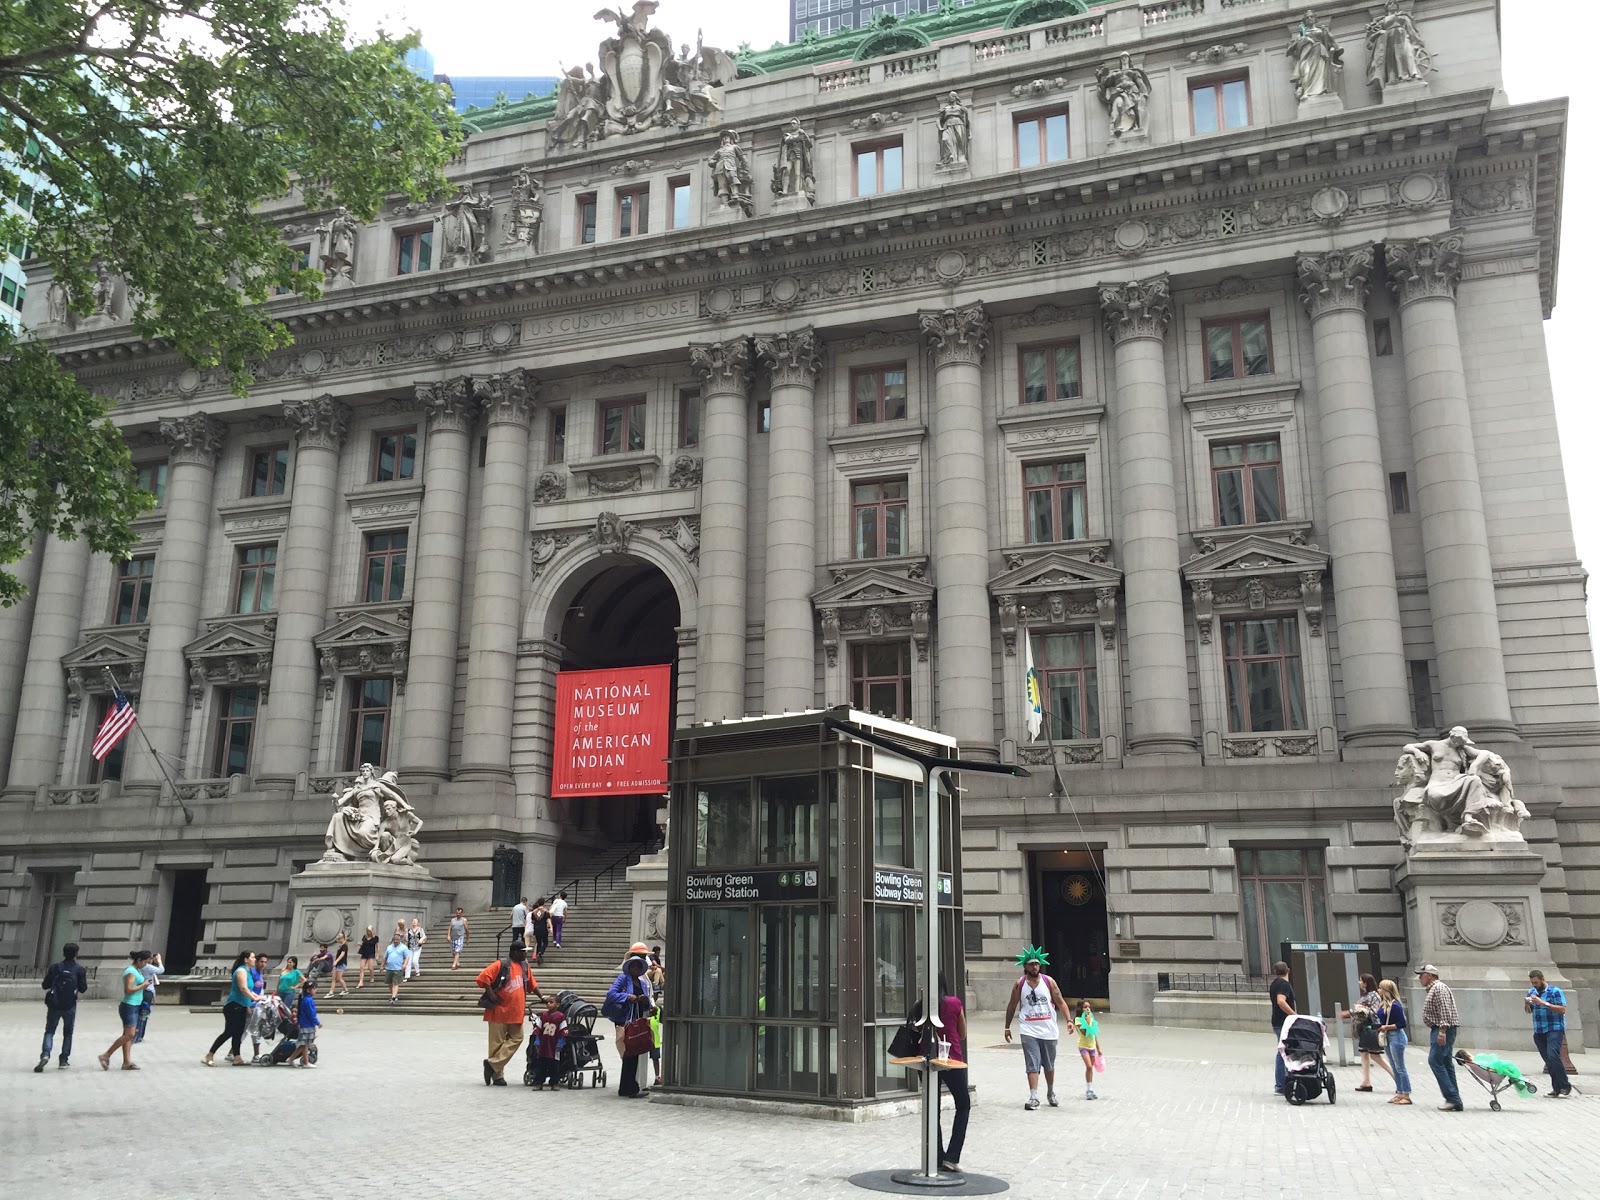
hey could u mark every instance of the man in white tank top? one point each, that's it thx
(1039, 999)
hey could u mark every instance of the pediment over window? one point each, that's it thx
(1055, 588)
(233, 652)
(367, 639)
(1253, 572)
(875, 602)
(121, 648)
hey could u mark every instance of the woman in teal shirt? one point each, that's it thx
(236, 1012)
(128, 1002)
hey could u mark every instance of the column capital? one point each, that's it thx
(956, 334)
(722, 366)
(508, 398)
(196, 438)
(448, 404)
(1140, 308)
(1334, 281)
(1424, 266)
(793, 357)
(319, 423)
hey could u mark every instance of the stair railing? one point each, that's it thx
(622, 859)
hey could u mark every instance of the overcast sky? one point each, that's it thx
(531, 37)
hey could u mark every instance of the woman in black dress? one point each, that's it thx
(369, 958)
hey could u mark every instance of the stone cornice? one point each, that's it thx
(1335, 280)
(319, 423)
(1424, 267)
(197, 438)
(1137, 309)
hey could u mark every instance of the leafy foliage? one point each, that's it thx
(159, 128)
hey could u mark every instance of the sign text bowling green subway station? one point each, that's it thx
(766, 884)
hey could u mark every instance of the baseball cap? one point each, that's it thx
(1426, 969)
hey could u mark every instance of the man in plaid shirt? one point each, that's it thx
(1440, 1016)
(1548, 1004)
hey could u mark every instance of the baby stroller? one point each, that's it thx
(265, 1018)
(1304, 1047)
(580, 1054)
(1496, 1075)
(289, 1032)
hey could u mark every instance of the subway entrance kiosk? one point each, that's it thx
(799, 889)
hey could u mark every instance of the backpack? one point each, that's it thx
(63, 991)
(491, 994)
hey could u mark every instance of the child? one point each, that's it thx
(655, 1042)
(305, 1016)
(549, 1035)
(1088, 1045)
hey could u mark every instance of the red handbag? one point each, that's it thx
(637, 1038)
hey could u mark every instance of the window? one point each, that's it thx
(1266, 692)
(1247, 481)
(880, 679)
(1053, 495)
(367, 740)
(1237, 347)
(880, 518)
(878, 394)
(152, 478)
(386, 566)
(622, 425)
(1382, 338)
(236, 726)
(1399, 492)
(1218, 104)
(8, 292)
(269, 471)
(556, 451)
(1423, 717)
(413, 250)
(394, 455)
(1049, 372)
(254, 574)
(135, 579)
(878, 169)
(764, 415)
(633, 212)
(588, 214)
(1284, 895)
(110, 767)
(724, 832)
(301, 259)
(1041, 138)
(688, 418)
(1066, 666)
(680, 199)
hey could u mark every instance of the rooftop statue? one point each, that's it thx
(1395, 53)
(1318, 59)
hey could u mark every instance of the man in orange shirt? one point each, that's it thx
(512, 982)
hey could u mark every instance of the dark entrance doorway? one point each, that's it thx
(625, 616)
(1069, 921)
(186, 926)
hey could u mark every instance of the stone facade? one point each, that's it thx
(1394, 244)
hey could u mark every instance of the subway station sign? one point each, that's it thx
(611, 731)
(722, 887)
(905, 887)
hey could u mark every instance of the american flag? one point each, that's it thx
(117, 723)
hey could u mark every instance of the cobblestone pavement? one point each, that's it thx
(399, 1102)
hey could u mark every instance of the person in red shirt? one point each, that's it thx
(549, 1032)
(513, 983)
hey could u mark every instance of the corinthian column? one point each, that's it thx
(965, 672)
(58, 618)
(195, 444)
(1455, 543)
(497, 579)
(1136, 318)
(301, 597)
(436, 596)
(16, 624)
(1333, 287)
(724, 369)
(789, 665)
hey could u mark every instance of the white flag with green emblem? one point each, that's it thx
(1035, 692)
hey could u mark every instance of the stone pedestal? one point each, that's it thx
(1474, 910)
(1133, 139)
(1406, 92)
(799, 202)
(1320, 106)
(330, 897)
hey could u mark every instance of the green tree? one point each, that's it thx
(159, 128)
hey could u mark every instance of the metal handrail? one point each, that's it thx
(593, 879)
(18, 971)
(1174, 981)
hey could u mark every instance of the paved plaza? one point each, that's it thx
(398, 1101)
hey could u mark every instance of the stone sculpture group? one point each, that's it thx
(372, 822)
(1453, 790)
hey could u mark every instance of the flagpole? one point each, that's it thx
(188, 816)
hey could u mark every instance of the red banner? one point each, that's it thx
(611, 731)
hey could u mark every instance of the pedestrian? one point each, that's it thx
(460, 933)
(1366, 1016)
(1395, 1040)
(528, 938)
(1440, 1016)
(236, 1012)
(368, 951)
(153, 970)
(130, 997)
(341, 958)
(539, 918)
(519, 921)
(558, 917)
(656, 976)
(258, 984)
(953, 1016)
(655, 1037)
(509, 984)
(63, 984)
(306, 1019)
(1548, 1004)
(629, 1000)
(1280, 995)
(290, 977)
(415, 936)
(395, 957)
(1039, 999)
(549, 1036)
(1088, 1046)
